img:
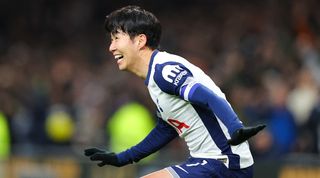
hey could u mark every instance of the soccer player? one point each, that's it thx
(189, 105)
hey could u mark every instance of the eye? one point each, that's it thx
(114, 37)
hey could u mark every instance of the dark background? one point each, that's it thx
(263, 54)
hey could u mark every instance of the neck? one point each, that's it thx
(142, 66)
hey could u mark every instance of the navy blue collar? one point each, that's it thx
(155, 52)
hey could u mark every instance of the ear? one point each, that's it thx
(141, 40)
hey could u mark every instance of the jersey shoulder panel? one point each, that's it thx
(170, 76)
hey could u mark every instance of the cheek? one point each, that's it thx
(131, 49)
(124, 46)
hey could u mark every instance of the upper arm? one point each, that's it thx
(172, 78)
(176, 79)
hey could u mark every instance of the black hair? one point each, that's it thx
(134, 20)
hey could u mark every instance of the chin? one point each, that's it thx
(122, 68)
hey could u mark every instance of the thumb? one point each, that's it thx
(253, 130)
(260, 127)
(244, 134)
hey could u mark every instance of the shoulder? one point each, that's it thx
(170, 75)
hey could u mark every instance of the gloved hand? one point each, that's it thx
(106, 158)
(244, 134)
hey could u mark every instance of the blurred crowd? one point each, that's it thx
(265, 55)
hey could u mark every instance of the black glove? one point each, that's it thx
(244, 134)
(106, 158)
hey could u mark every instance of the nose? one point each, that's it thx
(112, 47)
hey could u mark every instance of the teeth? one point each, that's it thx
(117, 57)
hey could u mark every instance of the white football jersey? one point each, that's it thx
(205, 134)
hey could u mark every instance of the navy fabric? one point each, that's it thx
(161, 135)
(216, 133)
(170, 77)
(209, 168)
(146, 82)
(203, 96)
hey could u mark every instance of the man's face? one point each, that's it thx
(124, 49)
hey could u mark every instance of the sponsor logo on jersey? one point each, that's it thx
(173, 73)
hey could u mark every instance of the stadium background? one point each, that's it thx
(59, 88)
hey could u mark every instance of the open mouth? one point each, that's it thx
(118, 57)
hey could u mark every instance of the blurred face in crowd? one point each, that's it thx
(124, 49)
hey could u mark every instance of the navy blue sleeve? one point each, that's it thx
(161, 135)
(203, 96)
(170, 77)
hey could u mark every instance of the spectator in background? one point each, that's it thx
(129, 125)
(301, 100)
(281, 123)
(5, 143)
(313, 128)
(130, 114)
